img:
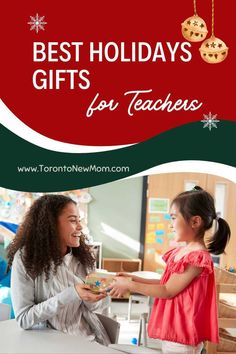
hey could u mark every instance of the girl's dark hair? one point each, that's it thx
(200, 202)
(38, 242)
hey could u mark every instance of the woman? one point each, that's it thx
(50, 260)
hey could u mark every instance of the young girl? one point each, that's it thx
(184, 313)
(50, 261)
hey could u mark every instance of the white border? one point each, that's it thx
(16, 126)
(213, 168)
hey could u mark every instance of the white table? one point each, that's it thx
(15, 340)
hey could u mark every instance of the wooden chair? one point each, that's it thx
(223, 322)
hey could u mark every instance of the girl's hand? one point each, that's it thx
(119, 287)
(87, 295)
(123, 274)
(130, 275)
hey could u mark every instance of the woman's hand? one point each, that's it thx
(120, 286)
(86, 294)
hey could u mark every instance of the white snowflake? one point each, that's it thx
(37, 23)
(210, 121)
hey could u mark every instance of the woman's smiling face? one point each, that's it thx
(69, 227)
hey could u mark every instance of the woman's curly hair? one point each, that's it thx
(38, 242)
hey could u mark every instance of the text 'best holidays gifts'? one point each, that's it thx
(98, 52)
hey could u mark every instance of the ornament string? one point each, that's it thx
(212, 17)
(195, 7)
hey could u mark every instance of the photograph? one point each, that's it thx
(141, 261)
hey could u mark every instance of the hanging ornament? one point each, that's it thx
(213, 50)
(194, 28)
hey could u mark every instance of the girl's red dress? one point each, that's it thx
(191, 316)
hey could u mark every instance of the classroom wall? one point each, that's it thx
(168, 185)
(114, 217)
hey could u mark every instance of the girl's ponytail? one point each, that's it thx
(220, 238)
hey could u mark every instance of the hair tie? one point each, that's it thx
(197, 189)
(217, 218)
